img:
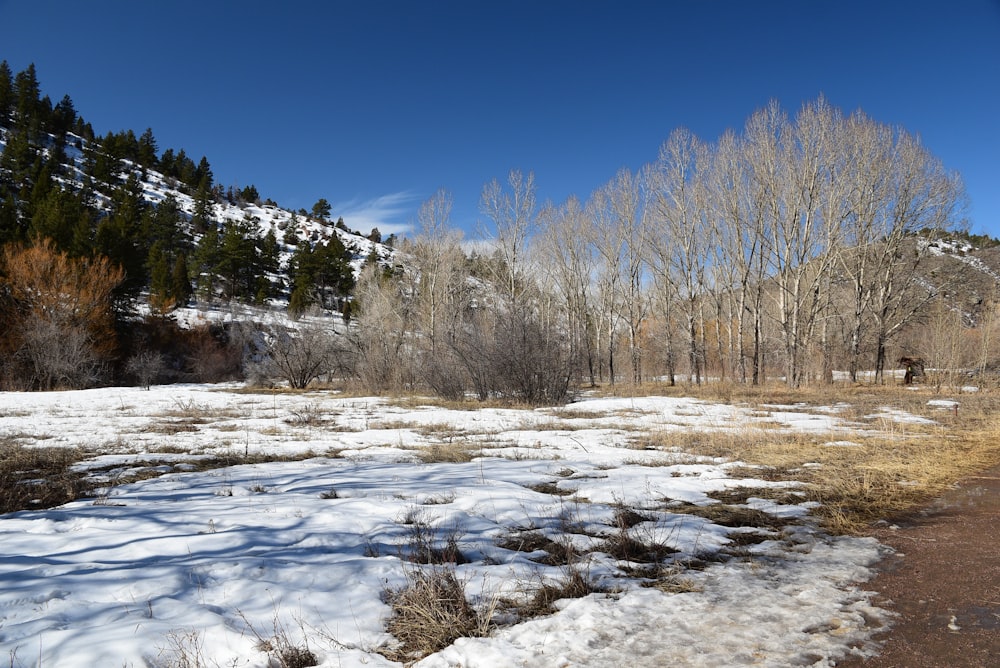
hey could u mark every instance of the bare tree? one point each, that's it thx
(618, 215)
(440, 292)
(512, 211)
(926, 200)
(868, 153)
(571, 264)
(384, 323)
(439, 262)
(800, 241)
(898, 192)
(303, 353)
(679, 236)
(146, 366)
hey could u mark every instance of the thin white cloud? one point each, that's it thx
(391, 214)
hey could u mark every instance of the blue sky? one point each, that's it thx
(376, 104)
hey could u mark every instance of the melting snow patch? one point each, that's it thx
(897, 415)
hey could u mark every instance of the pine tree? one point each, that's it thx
(168, 163)
(107, 165)
(239, 260)
(250, 195)
(146, 153)
(162, 224)
(160, 298)
(129, 144)
(180, 284)
(203, 174)
(9, 220)
(322, 273)
(6, 92)
(119, 237)
(26, 102)
(184, 169)
(57, 217)
(299, 301)
(18, 163)
(301, 277)
(63, 117)
(206, 261)
(321, 209)
(270, 264)
(202, 219)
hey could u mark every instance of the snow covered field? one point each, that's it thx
(196, 567)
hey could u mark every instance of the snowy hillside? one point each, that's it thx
(268, 217)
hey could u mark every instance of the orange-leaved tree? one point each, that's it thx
(58, 316)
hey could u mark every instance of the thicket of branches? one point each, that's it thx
(792, 248)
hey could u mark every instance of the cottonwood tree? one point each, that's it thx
(384, 316)
(807, 229)
(788, 170)
(570, 263)
(732, 254)
(899, 193)
(617, 213)
(440, 292)
(679, 235)
(926, 200)
(869, 155)
(519, 346)
(512, 212)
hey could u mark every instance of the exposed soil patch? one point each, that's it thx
(944, 581)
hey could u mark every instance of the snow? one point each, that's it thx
(205, 562)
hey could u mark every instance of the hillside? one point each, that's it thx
(119, 196)
(290, 227)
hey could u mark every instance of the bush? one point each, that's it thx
(299, 356)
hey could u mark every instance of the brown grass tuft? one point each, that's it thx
(430, 612)
(35, 478)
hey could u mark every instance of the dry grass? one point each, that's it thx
(563, 413)
(734, 516)
(430, 612)
(172, 428)
(550, 487)
(777, 393)
(35, 478)
(466, 404)
(424, 545)
(281, 650)
(575, 583)
(196, 413)
(557, 552)
(892, 468)
(440, 430)
(448, 453)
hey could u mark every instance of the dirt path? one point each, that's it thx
(944, 581)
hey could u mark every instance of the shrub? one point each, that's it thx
(59, 317)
